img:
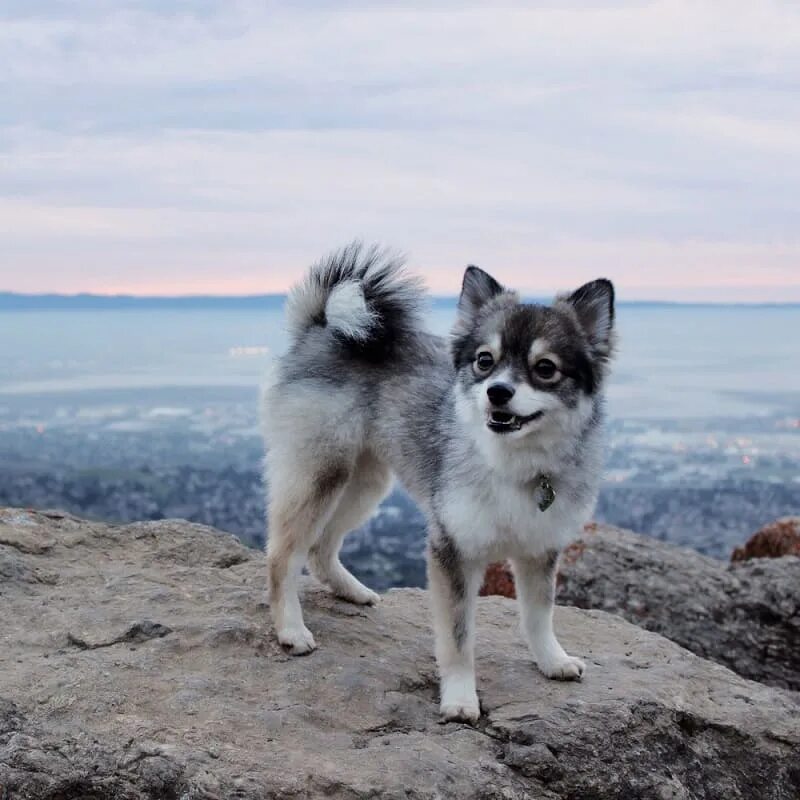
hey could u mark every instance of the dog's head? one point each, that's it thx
(530, 370)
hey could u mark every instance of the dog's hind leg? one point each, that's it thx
(454, 584)
(369, 484)
(300, 506)
(535, 580)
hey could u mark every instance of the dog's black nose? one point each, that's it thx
(500, 393)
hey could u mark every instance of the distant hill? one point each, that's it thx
(94, 302)
(12, 301)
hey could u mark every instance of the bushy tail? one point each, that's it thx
(362, 296)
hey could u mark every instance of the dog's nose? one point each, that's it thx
(500, 393)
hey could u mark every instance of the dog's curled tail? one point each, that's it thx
(360, 295)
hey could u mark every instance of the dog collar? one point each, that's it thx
(548, 492)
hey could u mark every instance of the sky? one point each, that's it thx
(176, 147)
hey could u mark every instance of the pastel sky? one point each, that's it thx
(177, 146)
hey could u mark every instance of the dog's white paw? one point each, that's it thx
(459, 701)
(567, 668)
(359, 595)
(298, 641)
(344, 585)
(464, 711)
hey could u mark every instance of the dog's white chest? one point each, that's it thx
(501, 520)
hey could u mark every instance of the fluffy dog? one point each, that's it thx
(496, 434)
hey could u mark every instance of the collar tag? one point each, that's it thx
(548, 493)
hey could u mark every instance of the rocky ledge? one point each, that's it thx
(137, 662)
(745, 615)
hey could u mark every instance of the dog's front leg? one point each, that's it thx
(454, 584)
(535, 580)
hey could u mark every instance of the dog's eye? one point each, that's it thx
(545, 369)
(484, 361)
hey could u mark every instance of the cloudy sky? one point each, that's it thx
(171, 147)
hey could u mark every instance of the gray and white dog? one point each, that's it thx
(496, 434)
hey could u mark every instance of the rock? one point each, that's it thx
(744, 615)
(499, 580)
(746, 618)
(147, 669)
(779, 538)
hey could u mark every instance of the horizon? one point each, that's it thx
(218, 149)
(144, 299)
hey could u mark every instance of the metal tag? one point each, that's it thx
(548, 493)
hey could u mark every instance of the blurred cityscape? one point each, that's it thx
(705, 484)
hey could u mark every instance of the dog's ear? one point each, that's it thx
(594, 306)
(477, 288)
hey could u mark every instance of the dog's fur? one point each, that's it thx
(364, 392)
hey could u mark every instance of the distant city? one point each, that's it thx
(694, 483)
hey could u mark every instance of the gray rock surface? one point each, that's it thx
(744, 615)
(137, 662)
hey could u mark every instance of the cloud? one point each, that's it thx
(167, 144)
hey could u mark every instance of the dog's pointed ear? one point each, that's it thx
(594, 306)
(477, 288)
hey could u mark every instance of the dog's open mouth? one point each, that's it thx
(506, 422)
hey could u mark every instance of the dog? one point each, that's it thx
(496, 433)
